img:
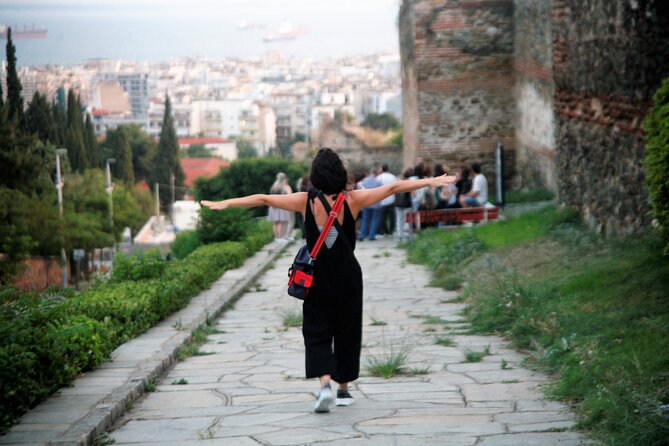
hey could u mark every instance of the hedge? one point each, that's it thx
(47, 340)
(656, 159)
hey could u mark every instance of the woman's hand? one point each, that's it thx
(444, 180)
(215, 205)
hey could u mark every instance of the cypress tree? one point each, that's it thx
(2, 100)
(39, 119)
(92, 146)
(14, 99)
(76, 148)
(118, 142)
(60, 123)
(166, 161)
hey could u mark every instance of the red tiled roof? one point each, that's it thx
(201, 167)
(203, 140)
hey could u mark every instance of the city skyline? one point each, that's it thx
(151, 30)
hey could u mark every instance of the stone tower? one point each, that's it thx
(563, 84)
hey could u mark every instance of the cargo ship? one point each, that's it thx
(286, 32)
(33, 32)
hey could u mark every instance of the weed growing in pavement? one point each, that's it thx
(390, 357)
(436, 320)
(376, 322)
(388, 364)
(198, 337)
(292, 318)
(103, 439)
(415, 371)
(180, 382)
(150, 386)
(444, 341)
(471, 356)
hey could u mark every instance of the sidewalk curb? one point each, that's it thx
(228, 288)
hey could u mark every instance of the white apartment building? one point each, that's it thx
(218, 118)
(293, 115)
(379, 102)
(181, 112)
(258, 125)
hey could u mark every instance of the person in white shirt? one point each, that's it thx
(387, 223)
(478, 196)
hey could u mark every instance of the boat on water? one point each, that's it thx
(286, 32)
(32, 32)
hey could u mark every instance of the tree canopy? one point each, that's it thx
(166, 163)
(383, 121)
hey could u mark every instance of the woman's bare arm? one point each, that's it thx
(363, 198)
(288, 202)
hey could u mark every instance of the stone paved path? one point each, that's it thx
(251, 391)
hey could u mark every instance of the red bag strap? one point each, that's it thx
(328, 224)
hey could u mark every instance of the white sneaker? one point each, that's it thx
(344, 398)
(325, 400)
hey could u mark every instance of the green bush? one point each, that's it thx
(47, 340)
(220, 226)
(146, 265)
(657, 159)
(185, 243)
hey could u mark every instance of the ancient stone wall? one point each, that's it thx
(563, 84)
(457, 63)
(609, 58)
(358, 156)
(534, 91)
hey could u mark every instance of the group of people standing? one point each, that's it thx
(389, 216)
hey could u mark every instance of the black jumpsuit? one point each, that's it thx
(332, 326)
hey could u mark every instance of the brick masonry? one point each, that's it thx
(458, 83)
(563, 84)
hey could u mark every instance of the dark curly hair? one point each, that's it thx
(328, 173)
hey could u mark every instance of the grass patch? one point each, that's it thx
(471, 356)
(180, 382)
(391, 359)
(150, 386)
(435, 320)
(388, 365)
(528, 196)
(377, 323)
(595, 311)
(417, 371)
(292, 318)
(198, 338)
(444, 341)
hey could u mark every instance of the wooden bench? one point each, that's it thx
(458, 215)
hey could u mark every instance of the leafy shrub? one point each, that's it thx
(47, 340)
(147, 265)
(31, 366)
(185, 243)
(657, 159)
(220, 226)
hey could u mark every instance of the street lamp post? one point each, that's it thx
(59, 191)
(110, 188)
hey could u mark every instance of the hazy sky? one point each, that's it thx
(156, 30)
